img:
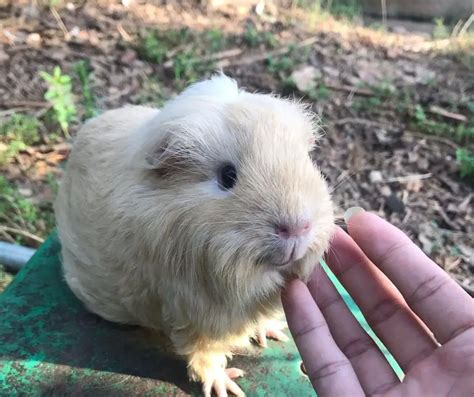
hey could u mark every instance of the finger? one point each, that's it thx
(374, 372)
(328, 369)
(382, 305)
(427, 289)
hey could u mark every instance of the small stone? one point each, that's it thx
(33, 40)
(26, 192)
(4, 56)
(305, 77)
(375, 177)
(394, 204)
(128, 56)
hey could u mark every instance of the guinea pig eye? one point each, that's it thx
(227, 176)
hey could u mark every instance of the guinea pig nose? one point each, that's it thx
(286, 231)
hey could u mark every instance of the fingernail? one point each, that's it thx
(350, 212)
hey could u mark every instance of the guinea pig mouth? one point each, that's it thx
(292, 254)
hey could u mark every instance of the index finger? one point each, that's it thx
(329, 370)
(444, 307)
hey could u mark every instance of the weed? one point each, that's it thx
(155, 45)
(187, 67)
(465, 159)
(279, 65)
(319, 93)
(16, 134)
(83, 71)
(348, 9)
(59, 93)
(254, 38)
(420, 115)
(21, 213)
(152, 93)
(215, 38)
(440, 30)
(52, 183)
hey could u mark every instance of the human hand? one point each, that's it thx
(421, 315)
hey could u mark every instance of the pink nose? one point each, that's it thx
(286, 230)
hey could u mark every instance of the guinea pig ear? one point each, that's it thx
(158, 153)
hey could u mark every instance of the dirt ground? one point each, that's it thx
(394, 106)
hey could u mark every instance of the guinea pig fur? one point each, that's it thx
(189, 219)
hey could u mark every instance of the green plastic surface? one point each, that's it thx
(51, 346)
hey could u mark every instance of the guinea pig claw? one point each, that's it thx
(233, 373)
(223, 383)
(271, 330)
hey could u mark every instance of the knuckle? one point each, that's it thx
(383, 311)
(307, 329)
(330, 369)
(428, 288)
(357, 347)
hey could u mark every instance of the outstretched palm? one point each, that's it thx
(423, 317)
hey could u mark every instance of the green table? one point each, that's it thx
(51, 346)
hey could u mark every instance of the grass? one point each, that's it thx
(255, 38)
(17, 134)
(19, 214)
(189, 62)
(83, 72)
(465, 159)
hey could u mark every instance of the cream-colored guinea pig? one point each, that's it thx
(189, 219)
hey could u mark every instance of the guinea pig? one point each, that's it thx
(190, 218)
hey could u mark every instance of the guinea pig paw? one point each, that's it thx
(221, 382)
(271, 330)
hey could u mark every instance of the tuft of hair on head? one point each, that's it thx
(218, 86)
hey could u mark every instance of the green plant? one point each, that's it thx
(152, 49)
(420, 115)
(253, 37)
(83, 71)
(349, 9)
(16, 134)
(440, 31)
(281, 64)
(320, 92)
(215, 38)
(465, 159)
(155, 45)
(59, 93)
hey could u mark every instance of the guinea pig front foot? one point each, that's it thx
(222, 382)
(270, 329)
(210, 370)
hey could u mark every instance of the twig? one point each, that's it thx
(125, 36)
(350, 89)
(7, 237)
(23, 233)
(354, 120)
(384, 13)
(262, 56)
(9, 112)
(440, 139)
(445, 217)
(445, 113)
(467, 25)
(33, 104)
(60, 23)
(409, 178)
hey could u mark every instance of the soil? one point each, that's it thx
(371, 85)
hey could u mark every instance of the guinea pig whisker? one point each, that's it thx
(339, 183)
